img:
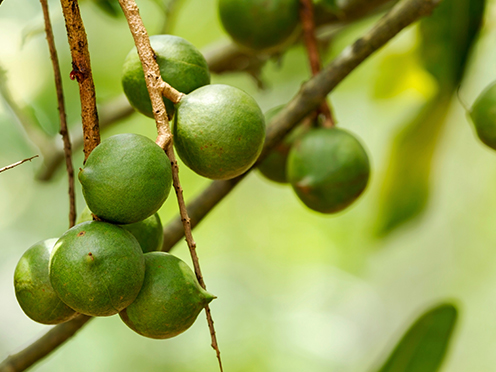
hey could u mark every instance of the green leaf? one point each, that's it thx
(400, 72)
(423, 347)
(110, 7)
(447, 37)
(329, 5)
(405, 190)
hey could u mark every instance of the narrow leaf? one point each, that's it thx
(423, 347)
(447, 38)
(405, 190)
(110, 7)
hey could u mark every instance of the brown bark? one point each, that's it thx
(81, 71)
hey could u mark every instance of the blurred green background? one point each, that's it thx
(297, 291)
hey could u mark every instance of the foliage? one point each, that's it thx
(424, 345)
(446, 41)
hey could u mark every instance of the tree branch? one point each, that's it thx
(354, 9)
(16, 164)
(81, 71)
(307, 99)
(61, 107)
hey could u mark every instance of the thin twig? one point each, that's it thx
(308, 25)
(81, 71)
(16, 164)
(156, 89)
(62, 116)
(303, 103)
(311, 44)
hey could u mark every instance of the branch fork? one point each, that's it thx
(164, 136)
(170, 93)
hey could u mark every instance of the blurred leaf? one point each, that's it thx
(28, 122)
(405, 189)
(31, 31)
(447, 37)
(36, 27)
(329, 5)
(171, 9)
(424, 345)
(399, 72)
(111, 7)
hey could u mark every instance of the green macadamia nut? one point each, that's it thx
(149, 233)
(219, 131)
(259, 24)
(97, 268)
(169, 301)
(483, 116)
(126, 178)
(181, 65)
(33, 289)
(328, 169)
(273, 167)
